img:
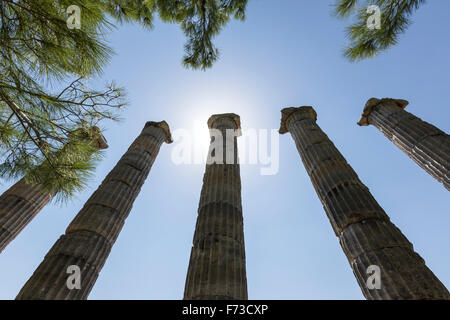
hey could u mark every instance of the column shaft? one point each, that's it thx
(91, 234)
(217, 262)
(18, 206)
(365, 232)
(425, 144)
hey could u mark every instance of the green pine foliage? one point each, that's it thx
(201, 21)
(366, 42)
(140, 11)
(38, 52)
(35, 126)
(45, 69)
(35, 38)
(67, 170)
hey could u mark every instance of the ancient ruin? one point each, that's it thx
(425, 144)
(217, 263)
(365, 232)
(91, 234)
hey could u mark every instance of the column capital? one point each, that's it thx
(304, 112)
(100, 138)
(234, 117)
(92, 134)
(164, 126)
(373, 102)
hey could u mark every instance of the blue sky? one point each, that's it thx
(287, 53)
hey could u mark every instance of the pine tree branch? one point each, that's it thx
(12, 106)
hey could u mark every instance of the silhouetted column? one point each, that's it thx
(91, 234)
(425, 144)
(365, 232)
(217, 263)
(23, 201)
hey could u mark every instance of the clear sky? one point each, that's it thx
(287, 53)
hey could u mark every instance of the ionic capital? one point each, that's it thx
(305, 112)
(164, 126)
(373, 102)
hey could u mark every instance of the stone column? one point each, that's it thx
(217, 263)
(91, 234)
(365, 232)
(425, 144)
(23, 201)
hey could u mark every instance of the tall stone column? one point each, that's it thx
(91, 234)
(23, 201)
(365, 232)
(425, 144)
(217, 263)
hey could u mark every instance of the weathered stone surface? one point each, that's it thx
(18, 206)
(404, 276)
(217, 262)
(92, 233)
(425, 144)
(371, 235)
(366, 234)
(84, 249)
(350, 203)
(23, 201)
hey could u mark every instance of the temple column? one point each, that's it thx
(91, 234)
(425, 144)
(217, 262)
(23, 201)
(365, 232)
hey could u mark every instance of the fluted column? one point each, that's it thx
(365, 232)
(217, 262)
(91, 234)
(425, 144)
(23, 201)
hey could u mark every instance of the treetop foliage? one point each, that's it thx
(366, 42)
(35, 38)
(200, 20)
(37, 121)
(38, 50)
